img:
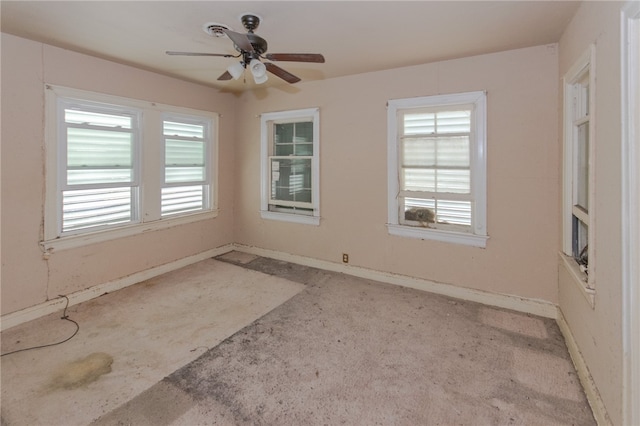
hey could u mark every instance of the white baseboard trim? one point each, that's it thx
(589, 386)
(521, 304)
(54, 305)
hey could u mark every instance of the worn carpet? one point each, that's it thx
(352, 351)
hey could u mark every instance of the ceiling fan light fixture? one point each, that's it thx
(236, 69)
(260, 80)
(250, 48)
(259, 71)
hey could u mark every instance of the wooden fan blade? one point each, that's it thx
(224, 55)
(285, 75)
(295, 57)
(240, 40)
(225, 76)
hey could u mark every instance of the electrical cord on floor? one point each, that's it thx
(64, 317)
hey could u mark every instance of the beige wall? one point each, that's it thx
(28, 279)
(524, 152)
(523, 179)
(598, 330)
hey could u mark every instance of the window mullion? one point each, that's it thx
(152, 170)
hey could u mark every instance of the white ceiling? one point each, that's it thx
(354, 36)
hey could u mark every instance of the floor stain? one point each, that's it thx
(81, 372)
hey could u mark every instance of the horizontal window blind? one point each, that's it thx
(435, 164)
(91, 208)
(99, 184)
(183, 199)
(185, 169)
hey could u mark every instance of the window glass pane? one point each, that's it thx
(99, 156)
(419, 123)
(446, 211)
(453, 181)
(183, 199)
(303, 132)
(436, 151)
(184, 174)
(186, 130)
(582, 165)
(304, 149)
(90, 208)
(294, 139)
(284, 133)
(99, 176)
(580, 240)
(291, 180)
(436, 180)
(454, 212)
(581, 89)
(183, 153)
(284, 149)
(418, 180)
(419, 152)
(453, 122)
(91, 148)
(453, 151)
(97, 119)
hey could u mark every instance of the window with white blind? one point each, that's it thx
(437, 168)
(118, 166)
(185, 188)
(579, 157)
(290, 174)
(99, 179)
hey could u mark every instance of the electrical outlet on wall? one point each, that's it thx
(345, 258)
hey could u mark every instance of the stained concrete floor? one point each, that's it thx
(250, 340)
(149, 330)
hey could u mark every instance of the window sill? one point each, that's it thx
(287, 217)
(579, 278)
(73, 241)
(438, 235)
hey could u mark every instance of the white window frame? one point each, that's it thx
(150, 169)
(206, 123)
(573, 98)
(477, 235)
(64, 103)
(266, 126)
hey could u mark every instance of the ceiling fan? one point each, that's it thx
(252, 48)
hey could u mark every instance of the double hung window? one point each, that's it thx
(185, 187)
(578, 166)
(99, 173)
(290, 166)
(118, 166)
(437, 182)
